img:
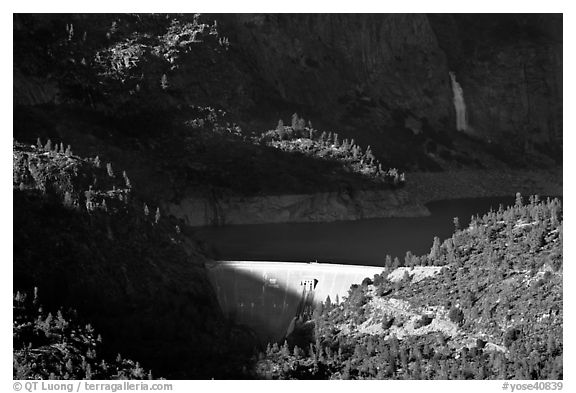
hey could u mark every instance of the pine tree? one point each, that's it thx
(68, 199)
(369, 154)
(345, 144)
(388, 262)
(48, 146)
(146, 210)
(97, 162)
(285, 351)
(109, 170)
(295, 121)
(157, 216)
(68, 151)
(62, 150)
(518, 202)
(435, 250)
(39, 143)
(456, 223)
(280, 126)
(164, 82)
(126, 179)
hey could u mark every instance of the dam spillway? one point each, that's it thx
(265, 296)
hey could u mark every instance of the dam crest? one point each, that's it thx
(266, 296)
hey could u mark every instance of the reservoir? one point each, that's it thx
(362, 242)
(261, 277)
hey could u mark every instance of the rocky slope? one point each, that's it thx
(484, 304)
(85, 240)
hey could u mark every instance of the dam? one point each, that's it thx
(266, 296)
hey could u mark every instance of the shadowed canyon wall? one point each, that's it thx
(385, 71)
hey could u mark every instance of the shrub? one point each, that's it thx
(456, 315)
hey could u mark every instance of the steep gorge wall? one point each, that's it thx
(510, 67)
(346, 68)
(370, 73)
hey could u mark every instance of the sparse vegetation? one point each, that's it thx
(57, 346)
(493, 311)
(300, 139)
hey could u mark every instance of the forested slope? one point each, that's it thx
(484, 304)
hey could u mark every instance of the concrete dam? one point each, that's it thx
(267, 296)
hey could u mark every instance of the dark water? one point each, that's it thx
(363, 242)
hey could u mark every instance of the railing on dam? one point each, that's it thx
(266, 295)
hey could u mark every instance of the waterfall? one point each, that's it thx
(459, 104)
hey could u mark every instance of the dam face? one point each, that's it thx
(266, 296)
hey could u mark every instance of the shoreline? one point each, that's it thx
(410, 201)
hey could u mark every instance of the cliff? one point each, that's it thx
(378, 75)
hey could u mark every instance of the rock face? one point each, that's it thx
(409, 201)
(510, 67)
(383, 71)
(320, 207)
(345, 67)
(378, 78)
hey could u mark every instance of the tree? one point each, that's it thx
(518, 202)
(345, 144)
(456, 223)
(435, 250)
(109, 170)
(456, 315)
(48, 146)
(157, 216)
(280, 126)
(39, 143)
(68, 199)
(146, 210)
(369, 154)
(295, 121)
(164, 82)
(388, 262)
(126, 179)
